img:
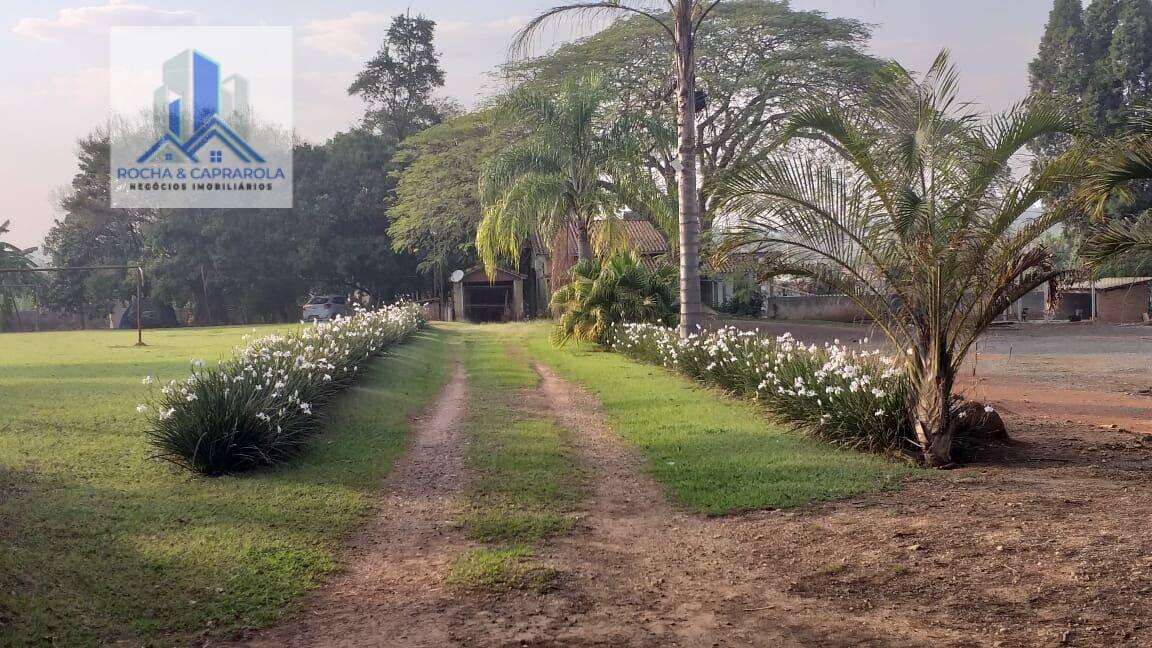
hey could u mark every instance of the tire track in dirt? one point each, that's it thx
(393, 585)
(642, 573)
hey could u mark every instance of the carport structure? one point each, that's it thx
(476, 298)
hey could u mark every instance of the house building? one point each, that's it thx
(717, 283)
(1115, 300)
(476, 297)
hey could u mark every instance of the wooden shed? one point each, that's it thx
(476, 298)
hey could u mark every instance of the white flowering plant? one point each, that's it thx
(847, 395)
(259, 407)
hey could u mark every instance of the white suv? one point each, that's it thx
(325, 308)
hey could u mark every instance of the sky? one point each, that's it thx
(55, 78)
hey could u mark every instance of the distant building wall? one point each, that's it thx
(832, 308)
(1122, 305)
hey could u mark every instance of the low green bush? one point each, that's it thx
(605, 293)
(260, 407)
(746, 302)
(851, 397)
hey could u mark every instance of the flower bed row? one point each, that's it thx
(260, 407)
(848, 396)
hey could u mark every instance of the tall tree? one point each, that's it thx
(1130, 53)
(1101, 102)
(437, 210)
(917, 224)
(399, 81)
(1105, 74)
(1059, 73)
(556, 177)
(679, 28)
(756, 61)
(91, 232)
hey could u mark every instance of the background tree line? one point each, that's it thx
(1095, 60)
(390, 205)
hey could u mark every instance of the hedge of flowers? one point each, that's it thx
(849, 396)
(260, 407)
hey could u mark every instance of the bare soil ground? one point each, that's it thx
(393, 586)
(1042, 543)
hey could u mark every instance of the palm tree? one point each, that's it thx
(680, 24)
(11, 258)
(556, 178)
(919, 222)
(601, 295)
(1117, 166)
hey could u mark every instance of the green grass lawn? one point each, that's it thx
(99, 543)
(715, 455)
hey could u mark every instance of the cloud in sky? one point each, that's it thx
(355, 35)
(347, 36)
(97, 19)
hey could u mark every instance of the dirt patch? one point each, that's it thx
(394, 579)
(1039, 545)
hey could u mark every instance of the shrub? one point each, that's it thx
(601, 295)
(260, 407)
(747, 302)
(850, 397)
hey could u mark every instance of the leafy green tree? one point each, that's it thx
(398, 82)
(919, 222)
(345, 201)
(1059, 73)
(1101, 102)
(91, 233)
(436, 210)
(678, 32)
(1100, 64)
(756, 60)
(555, 177)
(617, 290)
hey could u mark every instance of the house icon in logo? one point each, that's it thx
(194, 109)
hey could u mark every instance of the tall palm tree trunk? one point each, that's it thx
(688, 192)
(583, 242)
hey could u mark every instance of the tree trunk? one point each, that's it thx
(583, 243)
(687, 189)
(931, 408)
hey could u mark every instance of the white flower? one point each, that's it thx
(879, 412)
(988, 409)
(327, 377)
(190, 397)
(263, 417)
(147, 380)
(306, 408)
(167, 414)
(142, 408)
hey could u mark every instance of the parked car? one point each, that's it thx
(326, 307)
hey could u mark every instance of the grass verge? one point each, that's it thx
(499, 570)
(100, 544)
(525, 486)
(714, 455)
